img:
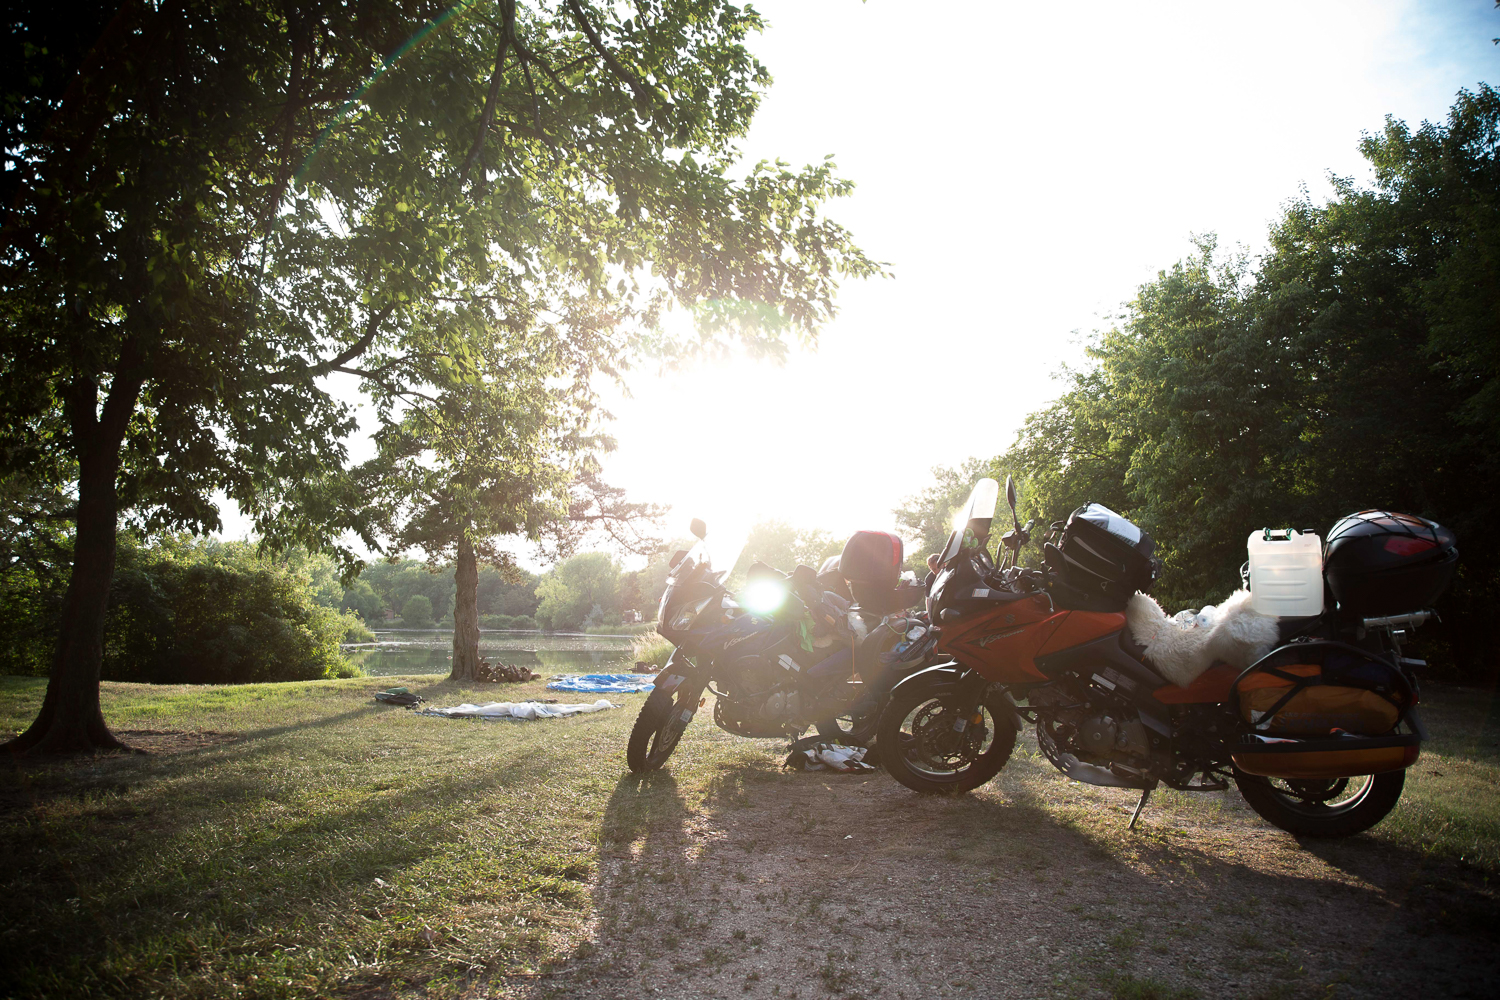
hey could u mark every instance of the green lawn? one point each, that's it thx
(335, 844)
(337, 839)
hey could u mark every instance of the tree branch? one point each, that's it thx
(507, 32)
(335, 364)
(642, 92)
(392, 389)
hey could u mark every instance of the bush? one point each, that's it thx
(523, 622)
(172, 622)
(30, 604)
(357, 631)
(496, 621)
(417, 612)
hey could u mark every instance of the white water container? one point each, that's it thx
(1286, 573)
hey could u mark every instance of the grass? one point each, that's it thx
(640, 628)
(650, 647)
(334, 846)
(335, 842)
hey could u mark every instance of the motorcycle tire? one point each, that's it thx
(861, 732)
(658, 728)
(902, 754)
(1303, 807)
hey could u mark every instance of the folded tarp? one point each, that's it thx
(601, 683)
(516, 710)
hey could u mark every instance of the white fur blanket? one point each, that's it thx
(1180, 651)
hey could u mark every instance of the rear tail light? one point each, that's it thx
(1409, 546)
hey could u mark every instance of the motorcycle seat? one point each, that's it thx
(1132, 647)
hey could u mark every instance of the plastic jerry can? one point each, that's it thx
(1286, 573)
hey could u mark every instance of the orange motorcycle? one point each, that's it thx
(1316, 734)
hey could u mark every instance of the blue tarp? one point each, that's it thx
(602, 683)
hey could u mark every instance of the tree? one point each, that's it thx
(1354, 367)
(777, 543)
(211, 208)
(361, 598)
(576, 588)
(417, 612)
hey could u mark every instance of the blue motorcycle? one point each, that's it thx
(786, 653)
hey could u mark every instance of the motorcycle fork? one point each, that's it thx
(969, 694)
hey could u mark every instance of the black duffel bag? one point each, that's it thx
(1098, 561)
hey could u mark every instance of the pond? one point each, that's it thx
(411, 651)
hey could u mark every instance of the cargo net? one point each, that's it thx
(1387, 524)
(1321, 689)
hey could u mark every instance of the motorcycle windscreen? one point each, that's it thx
(971, 524)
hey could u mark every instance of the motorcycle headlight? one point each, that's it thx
(685, 615)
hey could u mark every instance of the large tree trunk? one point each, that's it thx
(465, 614)
(71, 720)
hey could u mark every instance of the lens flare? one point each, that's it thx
(762, 597)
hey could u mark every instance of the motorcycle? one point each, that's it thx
(1316, 734)
(779, 657)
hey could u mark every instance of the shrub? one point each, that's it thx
(496, 621)
(172, 622)
(523, 622)
(357, 631)
(417, 612)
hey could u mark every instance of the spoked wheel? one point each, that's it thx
(659, 726)
(1324, 807)
(929, 745)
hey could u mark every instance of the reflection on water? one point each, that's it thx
(431, 652)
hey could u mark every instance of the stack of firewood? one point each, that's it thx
(509, 673)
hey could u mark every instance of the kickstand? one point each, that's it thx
(1145, 794)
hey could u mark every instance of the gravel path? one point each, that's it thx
(810, 885)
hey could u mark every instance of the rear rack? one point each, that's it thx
(1409, 620)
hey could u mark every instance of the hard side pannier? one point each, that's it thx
(1099, 560)
(1322, 709)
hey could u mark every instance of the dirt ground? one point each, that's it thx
(815, 885)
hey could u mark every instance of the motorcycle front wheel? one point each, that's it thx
(929, 746)
(1328, 807)
(659, 726)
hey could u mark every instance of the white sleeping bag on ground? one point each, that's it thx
(518, 710)
(1181, 649)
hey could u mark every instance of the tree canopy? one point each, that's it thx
(1354, 366)
(212, 208)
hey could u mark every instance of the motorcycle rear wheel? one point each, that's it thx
(1325, 808)
(659, 727)
(914, 736)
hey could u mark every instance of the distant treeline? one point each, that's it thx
(185, 610)
(1356, 365)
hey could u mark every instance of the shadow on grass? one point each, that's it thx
(1009, 894)
(122, 892)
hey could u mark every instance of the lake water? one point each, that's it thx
(431, 652)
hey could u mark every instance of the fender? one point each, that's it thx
(674, 674)
(952, 678)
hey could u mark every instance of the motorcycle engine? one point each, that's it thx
(760, 703)
(1083, 722)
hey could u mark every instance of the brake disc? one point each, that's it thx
(938, 743)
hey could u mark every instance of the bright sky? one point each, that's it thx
(1022, 167)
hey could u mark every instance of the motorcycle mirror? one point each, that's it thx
(1010, 498)
(698, 528)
